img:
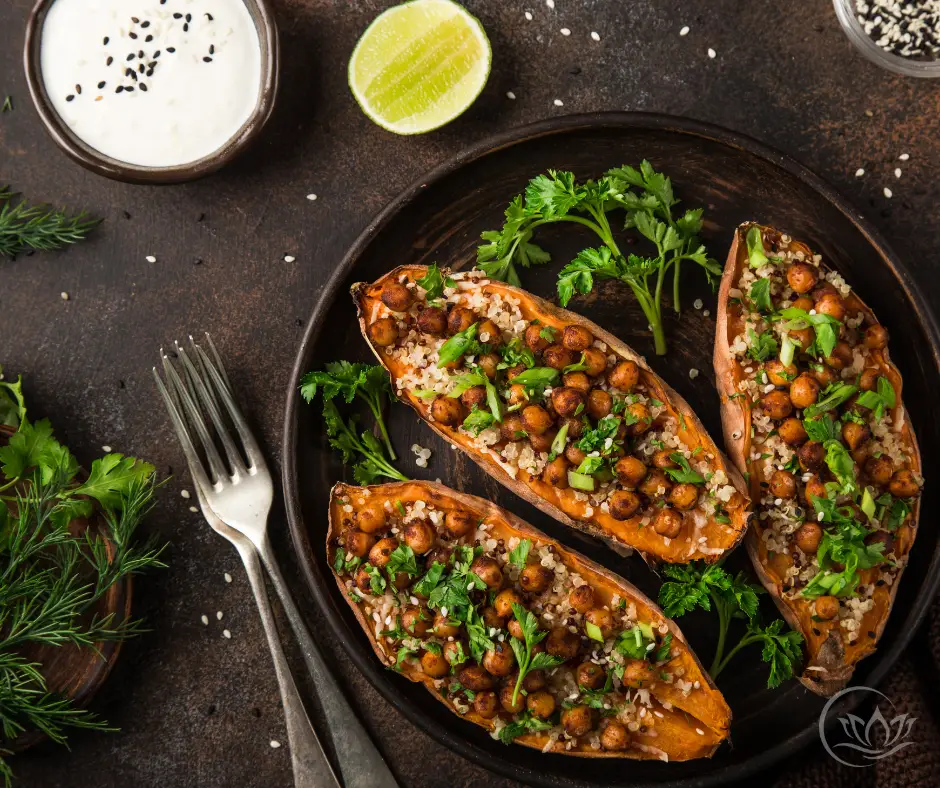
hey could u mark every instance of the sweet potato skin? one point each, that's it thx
(563, 509)
(830, 664)
(686, 743)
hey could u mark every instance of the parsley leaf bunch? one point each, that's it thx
(526, 660)
(556, 197)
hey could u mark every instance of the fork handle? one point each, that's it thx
(360, 762)
(311, 767)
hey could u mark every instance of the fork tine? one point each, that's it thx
(189, 450)
(222, 391)
(194, 415)
(209, 402)
(216, 359)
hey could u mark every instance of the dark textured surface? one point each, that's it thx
(194, 708)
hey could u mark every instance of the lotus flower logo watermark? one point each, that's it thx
(859, 742)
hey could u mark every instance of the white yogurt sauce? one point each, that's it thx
(154, 83)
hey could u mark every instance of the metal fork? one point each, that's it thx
(239, 492)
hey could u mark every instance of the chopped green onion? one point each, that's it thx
(786, 350)
(581, 481)
(594, 632)
(561, 440)
(868, 503)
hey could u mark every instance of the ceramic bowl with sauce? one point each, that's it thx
(152, 91)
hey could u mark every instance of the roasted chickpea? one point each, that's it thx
(655, 485)
(419, 535)
(558, 357)
(489, 333)
(543, 443)
(614, 736)
(824, 375)
(397, 297)
(841, 357)
(879, 470)
(515, 629)
(556, 473)
(855, 434)
(624, 376)
(668, 523)
(802, 277)
(577, 338)
(504, 601)
(371, 518)
(447, 411)
(486, 704)
(455, 652)
(415, 621)
(458, 524)
(506, 700)
(359, 543)
(534, 679)
(535, 578)
(364, 580)
(638, 673)
(804, 391)
(434, 665)
(382, 550)
(384, 332)
(577, 381)
(535, 419)
(562, 643)
(791, 431)
(803, 302)
(595, 361)
(599, 403)
(821, 289)
(777, 405)
(540, 704)
(514, 372)
(602, 619)
(432, 320)
(876, 337)
(802, 336)
(868, 380)
(591, 675)
(474, 677)
(683, 496)
(489, 363)
(491, 618)
(444, 627)
(881, 537)
(534, 339)
(644, 419)
(577, 721)
(815, 488)
(459, 319)
(778, 374)
(807, 537)
(567, 402)
(581, 598)
(574, 455)
(630, 471)
(512, 428)
(517, 394)
(487, 569)
(499, 660)
(663, 459)
(831, 304)
(575, 427)
(903, 484)
(827, 607)
(782, 485)
(811, 455)
(623, 504)
(474, 397)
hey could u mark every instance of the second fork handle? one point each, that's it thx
(360, 762)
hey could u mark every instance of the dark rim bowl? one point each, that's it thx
(97, 162)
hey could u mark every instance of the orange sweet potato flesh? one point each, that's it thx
(678, 725)
(830, 660)
(710, 540)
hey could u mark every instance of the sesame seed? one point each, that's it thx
(693, 373)
(559, 103)
(712, 53)
(684, 31)
(228, 577)
(207, 59)
(150, 258)
(289, 258)
(64, 296)
(565, 31)
(706, 313)
(528, 15)
(185, 494)
(311, 197)
(510, 95)
(904, 156)
(697, 303)
(70, 97)
(205, 620)
(193, 509)
(219, 615)
(888, 193)
(106, 449)
(595, 35)
(275, 744)
(869, 113)
(897, 172)
(859, 172)
(226, 634)
(550, 3)
(101, 85)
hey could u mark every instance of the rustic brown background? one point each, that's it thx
(198, 710)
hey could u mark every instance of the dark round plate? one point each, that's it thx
(440, 219)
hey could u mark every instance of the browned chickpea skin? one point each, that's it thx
(487, 569)
(475, 396)
(512, 428)
(515, 629)
(791, 432)
(419, 535)
(595, 362)
(543, 442)
(668, 523)
(474, 677)
(535, 578)
(514, 372)
(644, 419)
(577, 338)
(534, 339)
(504, 601)
(807, 537)
(489, 363)
(444, 627)
(397, 297)
(684, 496)
(831, 304)
(638, 673)
(599, 403)
(364, 580)
(630, 471)
(602, 619)
(663, 459)
(778, 374)
(536, 419)
(459, 319)
(506, 698)
(534, 679)
(459, 524)
(499, 660)
(655, 485)
(591, 675)
(558, 357)
(371, 518)
(841, 357)
(777, 405)
(879, 470)
(562, 643)
(804, 391)
(903, 484)
(432, 320)
(384, 332)
(855, 434)
(815, 488)
(574, 455)
(868, 380)
(556, 473)
(491, 618)
(624, 376)
(802, 336)
(448, 411)
(876, 337)
(489, 333)
(434, 665)
(803, 302)
(575, 427)
(517, 395)
(623, 504)
(614, 736)
(824, 375)
(359, 543)
(811, 455)
(802, 277)
(415, 621)
(577, 721)
(382, 550)
(581, 598)
(486, 704)
(782, 485)
(567, 402)
(827, 607)
(821, 289)
(577, 381)
(881, 537)
(540, 704)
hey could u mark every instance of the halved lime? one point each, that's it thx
(419, 65)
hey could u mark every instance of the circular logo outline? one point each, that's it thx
(824, 715)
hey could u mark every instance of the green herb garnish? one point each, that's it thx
(24, 227)
(526, 660)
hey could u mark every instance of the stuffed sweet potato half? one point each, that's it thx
(558, 410)
(813, 415)
(516, 633)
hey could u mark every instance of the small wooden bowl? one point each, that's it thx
(70, 671)
(98, 163)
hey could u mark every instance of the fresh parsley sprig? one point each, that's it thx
(345, 438)
(24, 227)
(526, 660)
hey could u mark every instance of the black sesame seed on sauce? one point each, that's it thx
(211, 49)
(132, 34)
(70, 97)
(106, 40)
(177, 16)
(101, 85)
(145, 23)
(119, 89)
(109, 61)
(130, 57)
(207, 59)
(78, 89)
(143, 87)
(171, 49)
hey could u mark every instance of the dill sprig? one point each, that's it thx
(24, 226)
(50, 578)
